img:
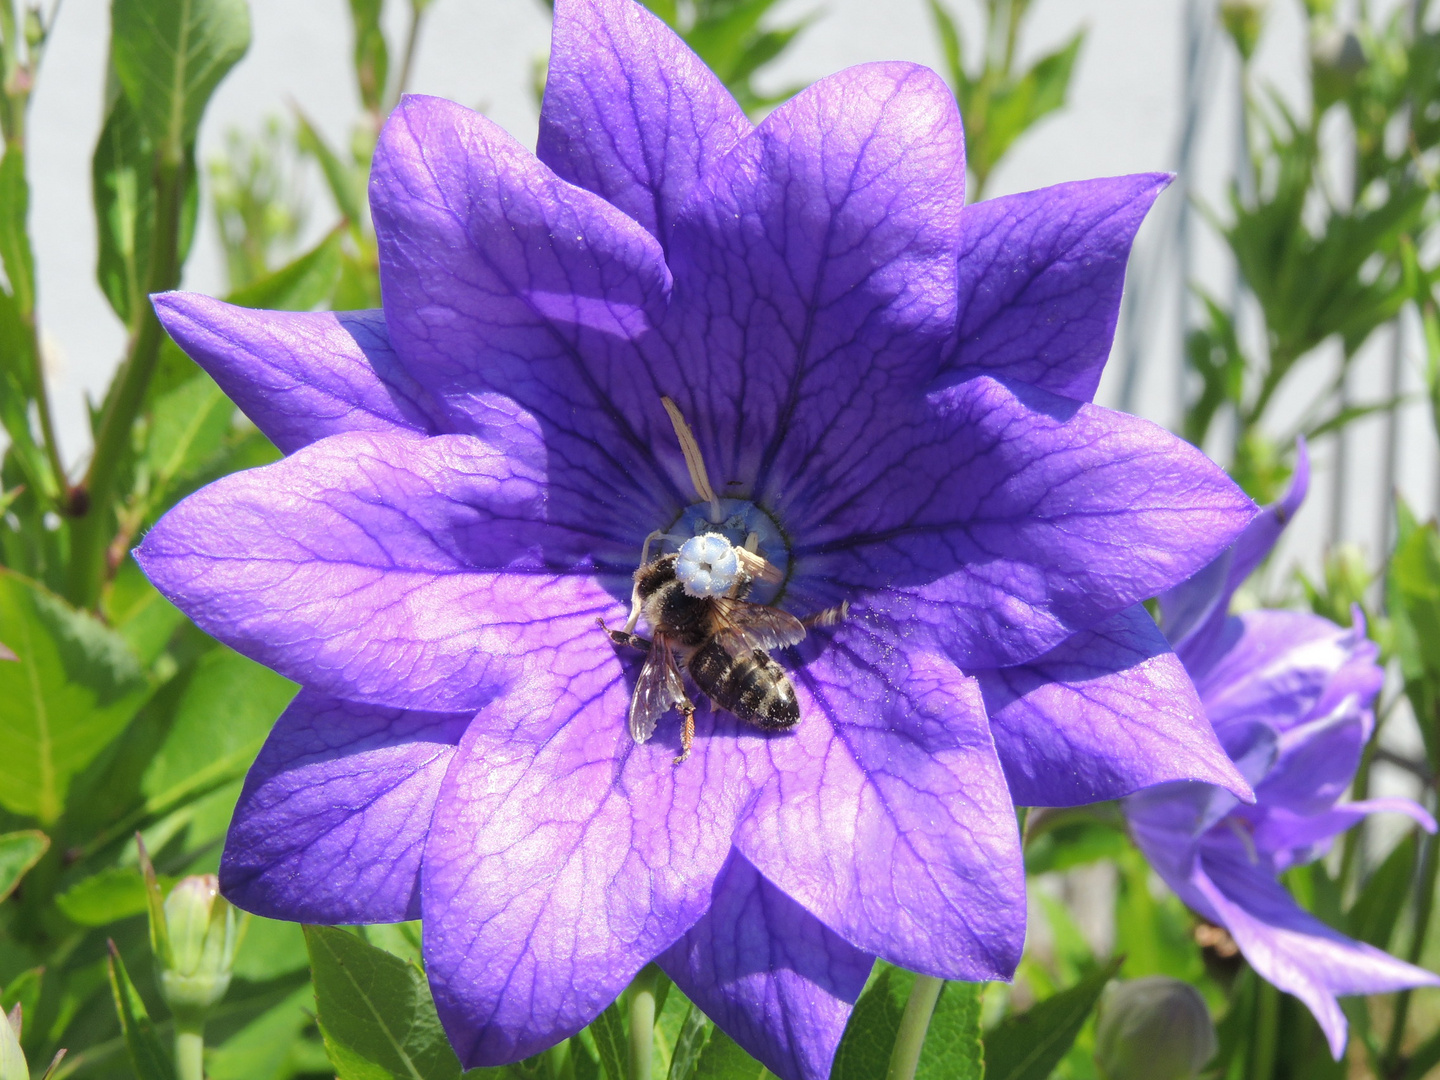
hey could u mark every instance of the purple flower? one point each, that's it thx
(1289, 695)
(892, 390)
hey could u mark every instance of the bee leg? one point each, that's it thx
(624, 637)
(687, 730)
(831, 616)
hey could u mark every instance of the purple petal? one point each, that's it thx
(500, 278)
(1010, 518)
(815, 276)
(885, 813)
(333, 817)
(630, 112)
(1294, 950)
(1104, 714)
(1296, 839)
(1040, 281)
(774, 977)
(298, 375)
(398, 570)
(1194, 612)
(564, 856)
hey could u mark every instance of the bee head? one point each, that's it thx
(707, 565)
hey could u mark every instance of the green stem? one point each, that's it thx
(642, 1022)
(1424, 907)
(190, 1053)
(122, 406)
(914, 1023)
(1267, 1033)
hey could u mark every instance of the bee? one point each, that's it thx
(694, 602)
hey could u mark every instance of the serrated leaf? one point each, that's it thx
(147, 1054)
(724, 1059)
(375, 1012)
(1029, 1046)
(869, 1039)
(169, 56)
(19, 851)
(74, 688)
(952, 1049)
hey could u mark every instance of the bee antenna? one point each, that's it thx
(694, 462)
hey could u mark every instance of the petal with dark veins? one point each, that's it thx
(770, 974)
(334, 814)
(398, 570)
(1106, 713)
(1040, 280)
(630, 112)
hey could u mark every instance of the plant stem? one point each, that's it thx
(123, 405)
(189, 1053)
(914, 1023)
(642, 1022)
(1424, 908)
(1267, 1032)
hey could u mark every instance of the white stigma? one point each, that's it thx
(707, 565)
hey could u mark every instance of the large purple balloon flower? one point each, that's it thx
(1289, 695)
(890, 389)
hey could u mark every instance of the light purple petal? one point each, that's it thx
(1193, 613)
(1104, 714)
(1294, 950)
(885, 813)
(300, 375)
(564, 856)
(1040, 281)
(1296, 839)
(815, 276)
(335, 811)
(774, 977)
(630, 112)
(498, 277)
(399, 570)
(1013, 518)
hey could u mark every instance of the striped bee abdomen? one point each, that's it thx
(753, 686)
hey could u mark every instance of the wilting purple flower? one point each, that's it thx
(894, 390)
(1289, 695)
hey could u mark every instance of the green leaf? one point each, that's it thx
(723, 1059)
(74, 688)
(689, 1044)
(372, 59)
(1413, 597)
(187, 428)
(169, 56)
(375, 1012)
(869, 1039)
(952, 1049)
(260, 1049)
(346, 184)
(19, 851)
(608, 1031)
(109, 896)
(1377, 909)
(301, 284)
(147, 1054)
(14, 237)
(1030, 1045)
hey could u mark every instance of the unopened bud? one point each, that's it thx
(202, 933)
(1156, 1028)
(1336, 58)
(1243, 20)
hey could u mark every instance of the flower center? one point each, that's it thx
(706, 547)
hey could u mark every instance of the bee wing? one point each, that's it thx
(758, 567)
(659, 689)
(755, 626)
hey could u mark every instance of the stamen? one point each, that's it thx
(693, 461)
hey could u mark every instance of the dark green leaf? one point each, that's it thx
(1030, 1045)
(259, 1050)
(952, 1049)
(869, 1039)
(1377, 908)
(375, 1012)
(19, 851)
(723, 1059)
(608, 1030)
(76, 685)
(1425, 1058)
(147, 1054)
(688, 1045)
(170, 55)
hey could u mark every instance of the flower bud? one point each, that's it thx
(1243, 20)
(1156, 1028)
(202, 933)
(1336, 58)
(12, 1059)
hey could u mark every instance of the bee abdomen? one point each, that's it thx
(753, 687)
